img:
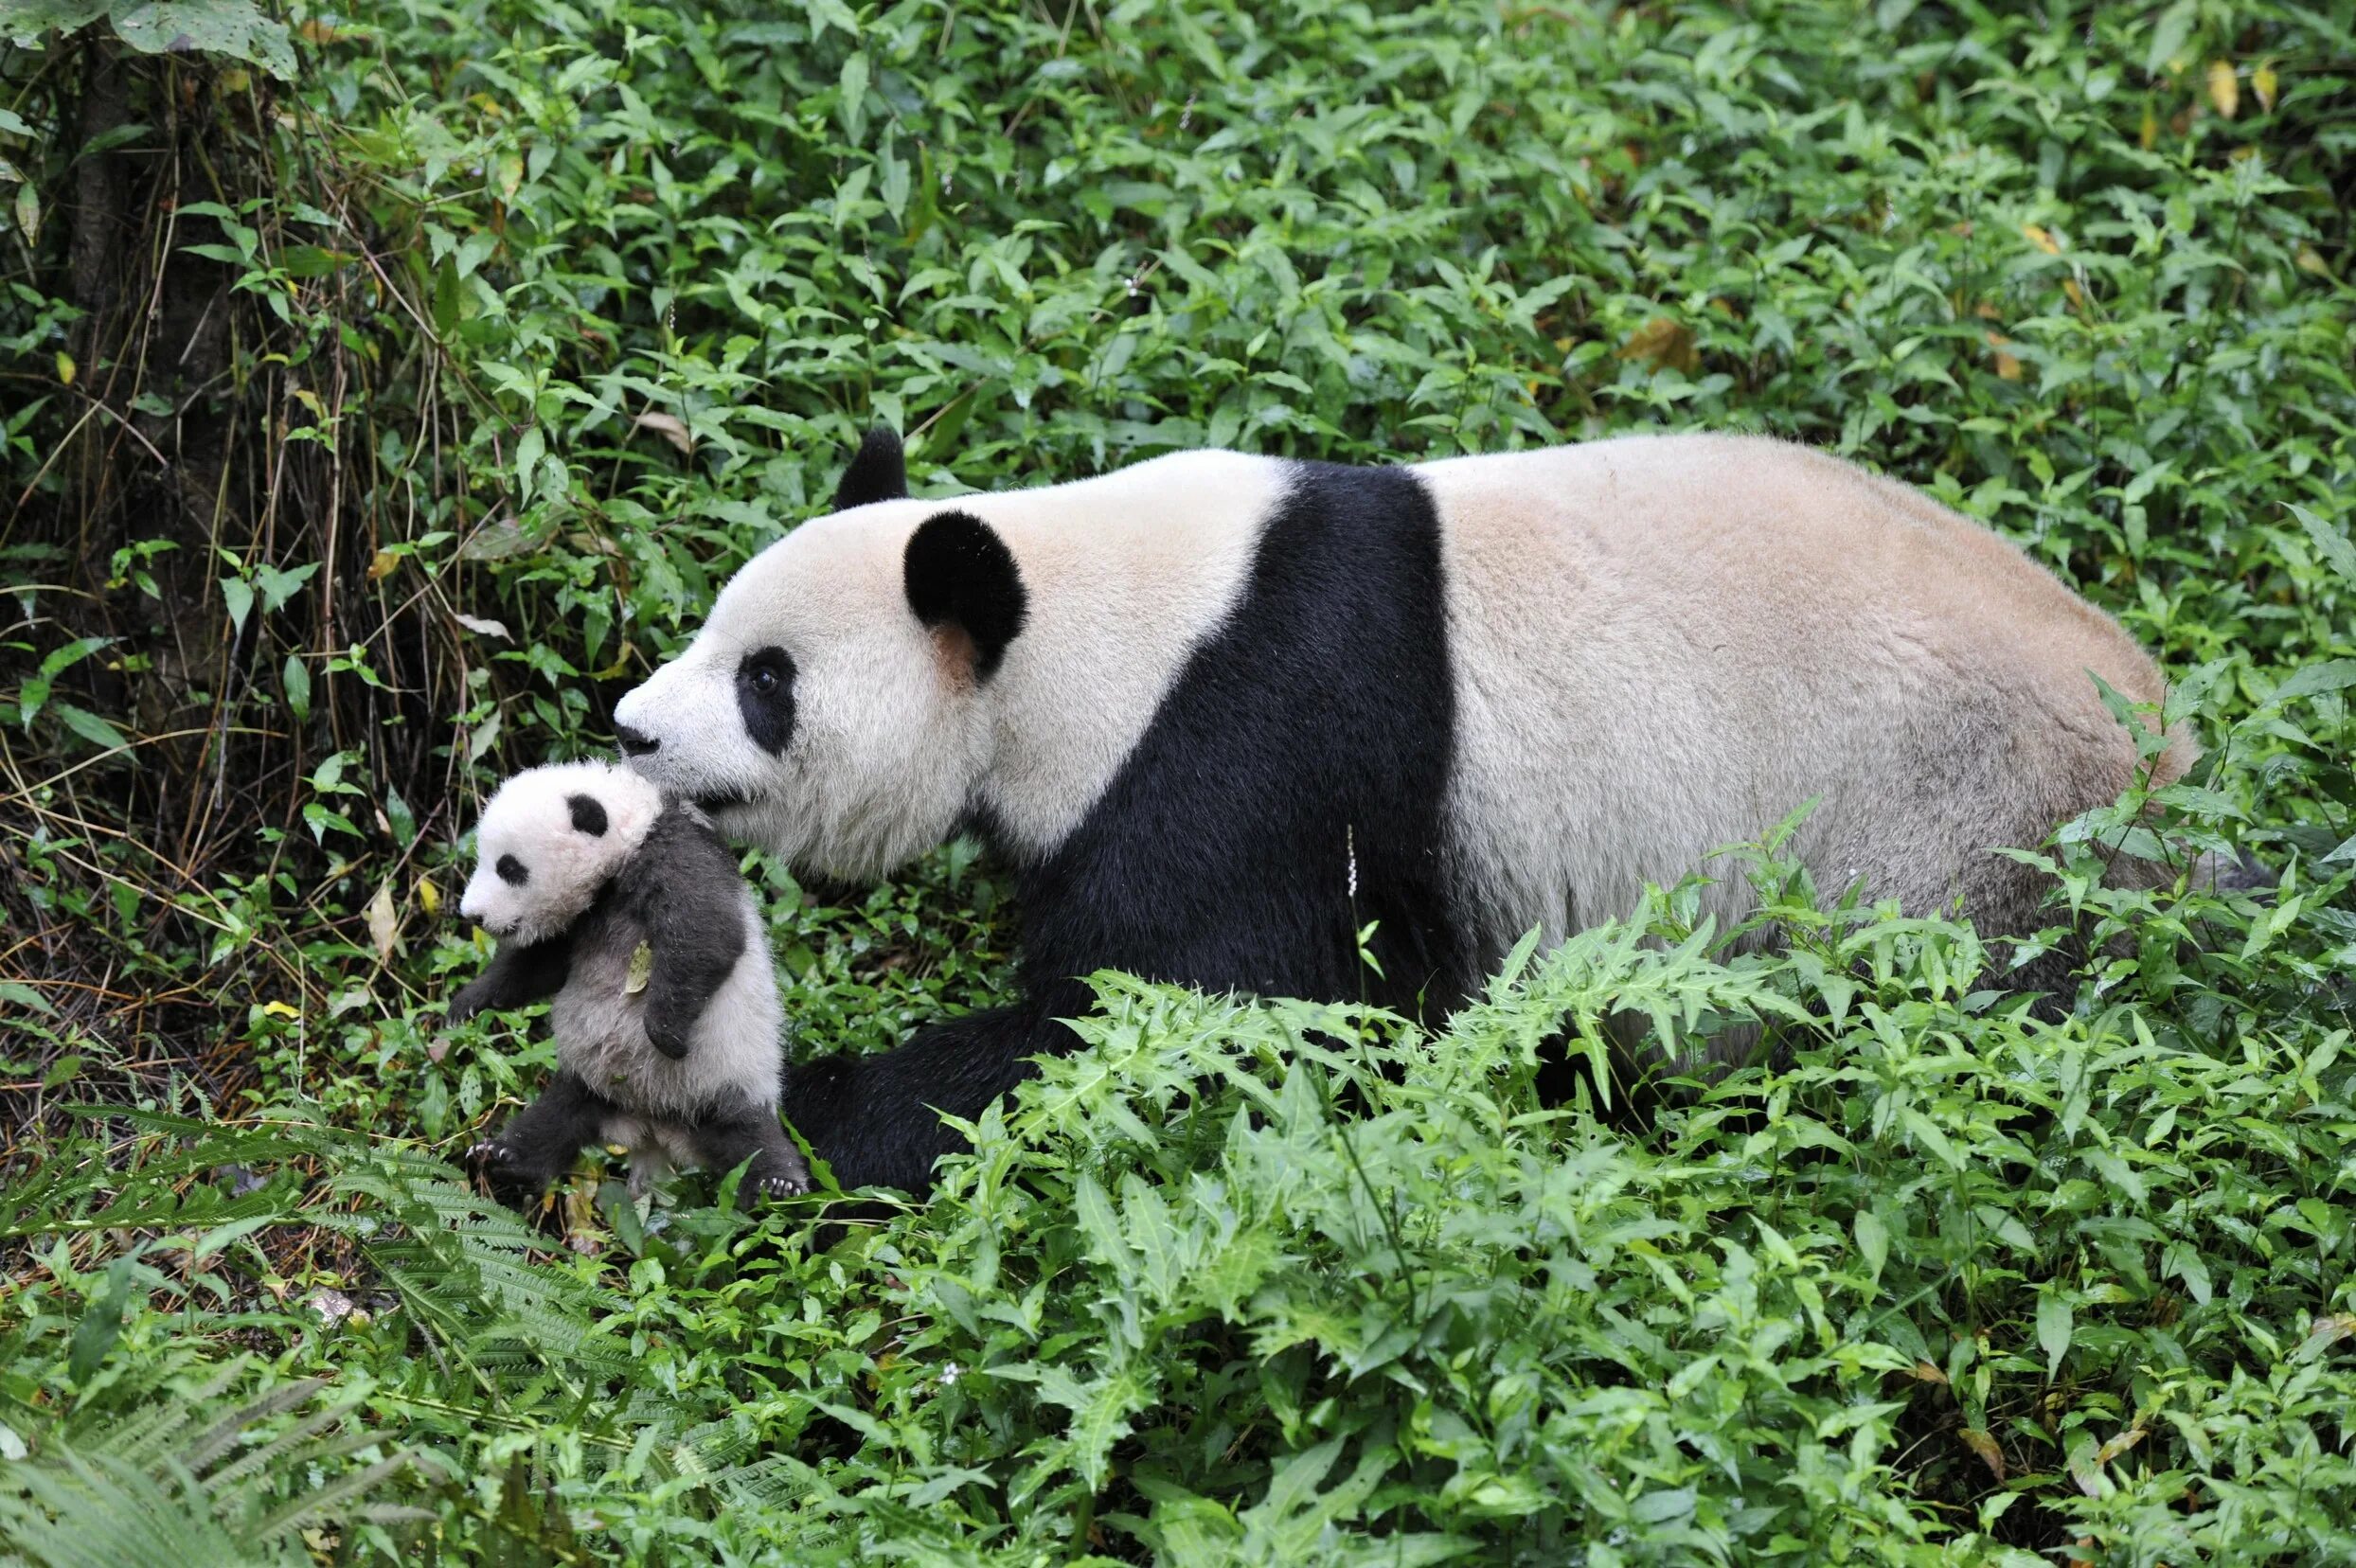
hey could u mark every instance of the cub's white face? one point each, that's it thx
(815, 715)
(550, 837)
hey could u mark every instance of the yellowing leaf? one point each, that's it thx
(2077, 295)
(2008, 368)
(1925, 1372)
(429, 897)
(2224, 88)
(281, 1009)
(1662, 342)
(64, 367)
(1982, 1444)
(2326, 1331)
(382, 565)
(384, 926)
(2264, 83)
(2038, 237)
(2149, 136)
(668, 428)
(2311, 260)
(2118, 1444)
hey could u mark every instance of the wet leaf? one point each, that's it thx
(233, 27)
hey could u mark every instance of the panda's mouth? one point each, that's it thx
(711, 804)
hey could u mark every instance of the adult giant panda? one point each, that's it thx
(1219, 712)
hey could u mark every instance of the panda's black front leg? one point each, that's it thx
(875, 1120)
(540, 1142)
(728, 1138)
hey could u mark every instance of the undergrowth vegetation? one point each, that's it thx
(386, 391)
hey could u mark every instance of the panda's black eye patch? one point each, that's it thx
(765, 696)
(512, 871)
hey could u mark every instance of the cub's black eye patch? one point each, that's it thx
(588, 815)
(512, 871)
(765, 684)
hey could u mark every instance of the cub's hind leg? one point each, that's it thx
(728, 1138)
(538, 1142)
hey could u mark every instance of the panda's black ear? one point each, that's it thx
(878, 471)
(962, 577)
(588, 815)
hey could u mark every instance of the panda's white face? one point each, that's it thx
(549, 839)
(815, 714)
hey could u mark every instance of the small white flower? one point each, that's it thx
(950, 1374)
(1349, 838)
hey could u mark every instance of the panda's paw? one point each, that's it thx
(667, 1035)
(770, 1186)
(491, 1152)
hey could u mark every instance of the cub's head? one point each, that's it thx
(831, 709)
(549, 839)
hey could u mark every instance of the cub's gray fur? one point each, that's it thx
(582, 866)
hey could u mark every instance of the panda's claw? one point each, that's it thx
(782, 1187)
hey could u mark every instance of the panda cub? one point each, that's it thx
(630, 911)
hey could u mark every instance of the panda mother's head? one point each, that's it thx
(832, 707)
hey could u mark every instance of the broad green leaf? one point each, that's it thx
(2055, 1321)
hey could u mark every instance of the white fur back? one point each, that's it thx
(1666, 644)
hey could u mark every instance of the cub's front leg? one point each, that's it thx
(517, 973)
(540, 1142)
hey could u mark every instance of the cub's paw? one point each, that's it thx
(768, 1186)
(472, 998)
(666, 1034)
(506, 1174)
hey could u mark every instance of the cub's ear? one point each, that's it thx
(588, 815)
(962, 580)
(878, 471)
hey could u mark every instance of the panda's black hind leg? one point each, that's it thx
(540, 1142)
(728, 1138)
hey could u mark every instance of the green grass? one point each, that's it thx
(365, 434)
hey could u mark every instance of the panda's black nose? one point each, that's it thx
(634, 743)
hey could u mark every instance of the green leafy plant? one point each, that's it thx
(369, 422)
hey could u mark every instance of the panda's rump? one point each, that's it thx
(1665, 645)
